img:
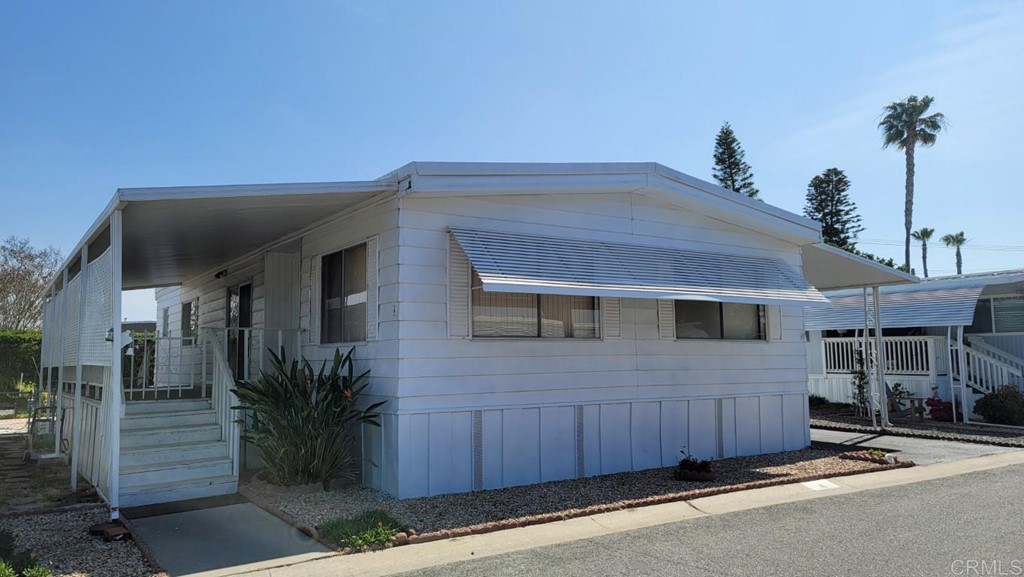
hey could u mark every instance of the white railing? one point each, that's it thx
(163, 367)
(986, 373)
(996, 353)
(914, 355)
(223, 401)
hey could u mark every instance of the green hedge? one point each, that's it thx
(19, 355)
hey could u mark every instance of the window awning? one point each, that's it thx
(923, 305)
(509, 262)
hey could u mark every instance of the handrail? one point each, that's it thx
(996, 352)
(986, 373)
(222, 399)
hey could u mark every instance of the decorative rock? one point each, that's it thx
(400, 539)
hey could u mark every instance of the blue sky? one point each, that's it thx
(100, 95)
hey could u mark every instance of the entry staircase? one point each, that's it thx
(183, 443)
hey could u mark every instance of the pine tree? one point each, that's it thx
(828, 202)
(731, 170)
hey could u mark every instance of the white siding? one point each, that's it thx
(555, 407)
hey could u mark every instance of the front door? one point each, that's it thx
(239, 320)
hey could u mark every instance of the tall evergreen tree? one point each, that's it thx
(828, 202)
(731, 170)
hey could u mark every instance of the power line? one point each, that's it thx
(968, 246)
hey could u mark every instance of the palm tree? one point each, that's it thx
(956, 240)
(904, 126)
(923, 236)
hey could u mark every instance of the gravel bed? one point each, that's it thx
(463, 509)
(981, 434)
(61, 542)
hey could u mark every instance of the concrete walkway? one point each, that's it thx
(224, 541)
(920, 451)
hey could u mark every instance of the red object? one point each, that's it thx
(940, 410)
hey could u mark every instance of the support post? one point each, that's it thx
(865, 361)
(57, 428)
(76, 415)
(116, 394)
(962, 355)
(880, 358)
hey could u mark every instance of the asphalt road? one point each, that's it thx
(968, 525)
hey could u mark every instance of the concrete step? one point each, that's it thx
(159, 436)
(173, 453)
(165, 406)
(169, 419)
(174, 472)
(168, 492)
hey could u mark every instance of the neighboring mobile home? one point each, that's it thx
(524, 322)
(930, 330)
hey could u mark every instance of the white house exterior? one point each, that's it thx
(524, 322)
(931, 329)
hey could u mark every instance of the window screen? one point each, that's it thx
(531, 315)
(710, 320)
(343, 289)
(1009, 314)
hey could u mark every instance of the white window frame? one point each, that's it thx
(319, 320)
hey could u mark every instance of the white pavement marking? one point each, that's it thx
(820, 485)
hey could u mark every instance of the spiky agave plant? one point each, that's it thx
(304, 421)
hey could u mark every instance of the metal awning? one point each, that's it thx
(830, 268)
(924, 305)
(509, 262)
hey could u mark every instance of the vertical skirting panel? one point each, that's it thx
(462, 452)
(557, 443)
(592, 440)
(645, 435)
(491, 442)
(748, 426)
(615, 442)
(675, 430)
(703, 429)
(771, 424)
(727, 428)
(581, 457)
(794, 424)
(520, 449)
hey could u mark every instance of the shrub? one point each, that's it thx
(1004, 406)
(304, 420)
(361, 531)
(15, 561)
(940, 410)
(817, 402)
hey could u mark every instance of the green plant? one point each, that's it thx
(1004, 406)
(304, 420)
(15, 561)
(898, 392)
(876, 453)
(361, 531)
(860, 383)
(690, 463)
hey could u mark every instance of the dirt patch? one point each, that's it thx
(26, 486)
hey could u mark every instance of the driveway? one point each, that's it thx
(920, 451)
